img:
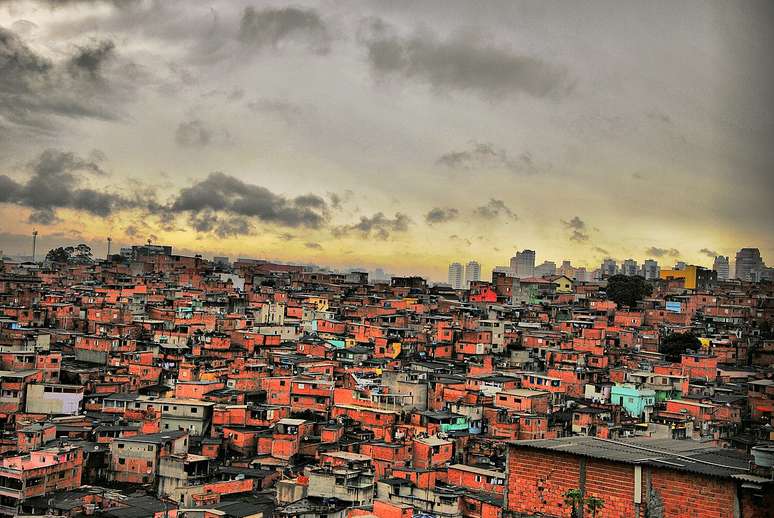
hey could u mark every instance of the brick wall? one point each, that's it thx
(538, 480)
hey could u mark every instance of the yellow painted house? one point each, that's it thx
(689, 273)
(563, 284)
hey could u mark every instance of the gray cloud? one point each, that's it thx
(36, 92)
(455, 237)
(484, 156)
(90, 60)
(313, 246)
(578, 229)
(55, 182)
(662, 252)
(218, 225)
(578, 236)
(193, 134)
(441, 215)
(221, 192)
(275, 27)
(493, 209)
(464, 61)
(575, 223)
(709, 253)
(601, 250)
(377, 225)
(287, 111)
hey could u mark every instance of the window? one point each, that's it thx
(121, 446)
(149, 464)
(121, 461)
(194, 410)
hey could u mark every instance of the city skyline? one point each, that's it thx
(43, 245)
(203, 128)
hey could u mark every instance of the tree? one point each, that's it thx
(594, 505)
(80, 254)
(675, 344)
(58, 255)
(627, 290)
(574, 498)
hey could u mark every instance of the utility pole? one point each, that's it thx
(109, 240)
(34, 243)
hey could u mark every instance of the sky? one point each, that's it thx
(394, 134)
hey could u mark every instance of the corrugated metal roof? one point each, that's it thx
(679, 455)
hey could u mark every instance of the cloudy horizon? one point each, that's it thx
(402, 135)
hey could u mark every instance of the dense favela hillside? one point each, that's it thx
(154, 384)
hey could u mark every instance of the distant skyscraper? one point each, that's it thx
(749, 265)
(379, 275)
(546, 268)
(567, 269)
(650, 269)
(680, 265)
(721, 266)
(472, 273)
(523, 264)
(455, 276)
(609, 268)
(580, 274)
(629, 267)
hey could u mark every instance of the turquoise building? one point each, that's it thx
(637, 402)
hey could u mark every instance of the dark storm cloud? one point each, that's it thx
(494, 209)
(43, 217)
(441, 215)
(709, 253)
(377, 225)
(485, 156)
(91, 59)
(578, 229)
(578, 236)
(55, 183)
(275, 27)
(221, 226)
(575, 223)
(662, 252)
(221, 192)
(462, 61)
(193, 134)
(36, 92)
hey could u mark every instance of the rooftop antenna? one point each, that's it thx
(34, 243)
(109, 240)
(149, 241)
